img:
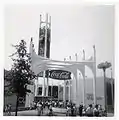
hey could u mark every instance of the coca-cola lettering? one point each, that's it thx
(59, 74)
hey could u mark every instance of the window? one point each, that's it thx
(40, 91)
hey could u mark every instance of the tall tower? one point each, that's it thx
(44, 47)
(44, 37)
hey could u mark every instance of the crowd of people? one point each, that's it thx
(71, 109)
(89, 111)
(84, 110)
(40, 106)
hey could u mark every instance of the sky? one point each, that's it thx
(73, 28)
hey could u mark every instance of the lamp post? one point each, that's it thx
(112, 87)
(104, 66)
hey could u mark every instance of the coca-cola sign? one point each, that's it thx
(60, 74)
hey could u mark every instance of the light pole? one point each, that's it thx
(112, 87)
(104, 66)
(105, 89)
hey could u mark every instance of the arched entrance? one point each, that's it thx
(42, 64)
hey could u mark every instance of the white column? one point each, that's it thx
(69, 84)
(45, 50)
(94, 80)
(76, 82)
(43, 86)
(47, 84)
(36, 90)
(69, 90)
(84, 87)
(46, 47)
(46, 22)
(64, 91)
(36, 86)
(84, 98)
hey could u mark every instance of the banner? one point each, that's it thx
(60, 74)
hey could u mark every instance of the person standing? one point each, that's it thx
(75, 111)
(39, 108)
(80, 110)
(71, 110)
(89, 111)
(96, 111)
(42, 107)
(100, 110)
(50, 110)
(68, 111)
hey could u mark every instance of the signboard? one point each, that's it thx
(60, 74)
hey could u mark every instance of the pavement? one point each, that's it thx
(56, 111)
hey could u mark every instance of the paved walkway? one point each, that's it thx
(57, 112)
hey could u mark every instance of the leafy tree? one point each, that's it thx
(21, 74)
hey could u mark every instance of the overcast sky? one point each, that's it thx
(73, 28)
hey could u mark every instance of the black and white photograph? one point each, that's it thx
(59, 60)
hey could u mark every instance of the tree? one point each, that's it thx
(21, 74)
(104, 66)
(7, 82)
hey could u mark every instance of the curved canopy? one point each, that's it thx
(40, 64)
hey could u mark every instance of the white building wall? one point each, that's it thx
(88, 90)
